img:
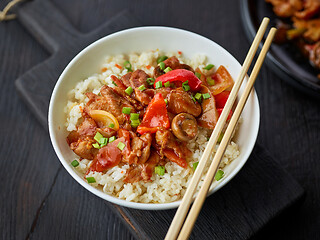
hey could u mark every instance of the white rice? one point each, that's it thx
(162, 189)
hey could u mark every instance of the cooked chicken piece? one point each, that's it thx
(80, 141)
(312, 27)
(180, 101)
(148, 167)
(166, 140)
(286, 8)
(114, 103)
(209, 116)
(133, 174)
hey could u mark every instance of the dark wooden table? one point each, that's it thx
(39, 200)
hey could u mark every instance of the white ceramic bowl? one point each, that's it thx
(89, 61)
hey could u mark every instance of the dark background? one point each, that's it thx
(40, 200)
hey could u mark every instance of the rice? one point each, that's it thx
(161, 189)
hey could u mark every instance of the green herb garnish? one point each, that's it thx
(129, 90)
(195, 165)
(160, 170)
(210, 81)
(75, 163)
(185, 86)
(167, 84)
(121, 145)
(162, 66)
(168, 69)
(209, 66)
(219, 175)
(158, 85)
(198, 75)
(112, 139)
(150, 81)
(91, 179)
(127, 65)
(198, 96)
(206, 96)
(142, 88)
(134, 116)
(161, 59)
(126, 110)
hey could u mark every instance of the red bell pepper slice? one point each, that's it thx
(180, 75)
(221, 100)
(156, 116)
(174, 158)
(222, 79)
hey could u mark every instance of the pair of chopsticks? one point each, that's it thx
(180, 216)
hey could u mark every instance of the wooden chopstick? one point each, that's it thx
(196, 207)
(188, 197)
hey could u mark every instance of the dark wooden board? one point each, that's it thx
(40, 200)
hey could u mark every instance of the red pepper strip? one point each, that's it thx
(221, 99)
(174, 158)
(107, 157)
(219, 110)
(222, 80)
(180, 75)
(156, 116)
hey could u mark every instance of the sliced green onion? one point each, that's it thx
(142, 88)
(135, 123)
(103, 141)
(96, 145)
(126, 110)
(134, 116)
(166, 101)
(206, 96)
(111, 125)
(162, 65)
(195, 165)
(193, 98)
(219, 175)
(121, 145)
(150, 81)
(114, 83)
(91, 179)
(167, 84)
(198, 75)
(161, 59)
(185, 86)
(158, 84)
(127, 65)
(168, 69)
(198, 96)
(210, 81)
(129, 90)
(98, 136)
(209, 66)
(75, 163)
(160, 170)
(220, 138)
(112, 139)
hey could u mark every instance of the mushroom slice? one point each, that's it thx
(184, 127)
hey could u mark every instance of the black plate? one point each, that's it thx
(285, 60)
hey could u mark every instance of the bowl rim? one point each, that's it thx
(112, 199)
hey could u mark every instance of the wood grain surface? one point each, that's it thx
(38, 197)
